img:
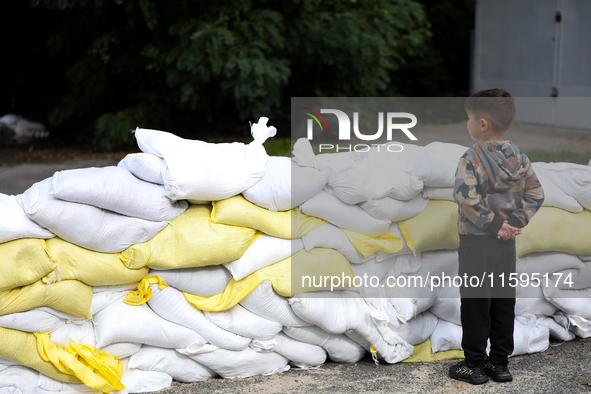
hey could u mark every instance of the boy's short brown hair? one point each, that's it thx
(496, 105)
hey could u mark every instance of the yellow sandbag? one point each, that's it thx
(190, 241)
(556, 230)
(423, 352)
(435, 228)
(21, 347)
(69, 296)
(237, 211)
(367, 245)
(90, 267)
(285, 276)
(23, 262)
(95, 368)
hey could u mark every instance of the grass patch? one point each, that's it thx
(278, 147)
(557, 157)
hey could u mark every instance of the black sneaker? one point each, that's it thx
(498, 373)
(461, 371)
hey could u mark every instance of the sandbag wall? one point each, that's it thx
(136, 261)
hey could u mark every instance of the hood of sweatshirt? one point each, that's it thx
(503, 161)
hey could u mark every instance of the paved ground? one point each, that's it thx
(561, 369)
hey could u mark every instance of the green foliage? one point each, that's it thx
(536, 155)
(115, 129)
(195, 67)
(278, 147)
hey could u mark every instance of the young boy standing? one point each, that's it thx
(497, 193)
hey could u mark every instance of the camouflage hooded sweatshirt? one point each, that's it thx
(495, 182)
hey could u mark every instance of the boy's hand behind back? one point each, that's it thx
(508, 232)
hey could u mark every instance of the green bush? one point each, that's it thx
(113, 130)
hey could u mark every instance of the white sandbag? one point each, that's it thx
(571, 302)
(416, 330)
(447, 304)
(264, 302)
(343, 215)
(331, 237)
(582, 326)
(103, 299)
(395, 210)
(372, 268)
(530, 300)
(541, 263)
(554, 196)
(122, 350)
(440, 263)
(342, 312)
(403, 264)
(138, 381)
(529, 337)
(171, 362)
(120, 322)
(47, 385)
(84, 225)
(18, 380)
(144, 166)
(242, 322)
(438, 193)
(285, 185)
(15, 223)
(573, 179)
(265, 251)
(34, 320)
(117, 190)
(243, 363)
(68, 317)
(577, 280)
(170, 304)
(231, 168)
(74, 333)
(361, 176)
(434, 164)
(557, 325)
(201, 281)
(340, 348)
(447, 336)
(372, 176)
(407, 299)
(299, 353)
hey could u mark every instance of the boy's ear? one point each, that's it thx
(484, 125)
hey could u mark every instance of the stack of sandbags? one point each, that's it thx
(429, 226)
(259, 264)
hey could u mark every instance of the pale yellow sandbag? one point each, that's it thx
(23, 262)
(237, 211)
(435, 228)
(90, 267)
(285, 276)
(423, 352)
(190, 241)
(556, 230)
(21, 347)
(368, 245)
(95, 368)
(70, 296)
